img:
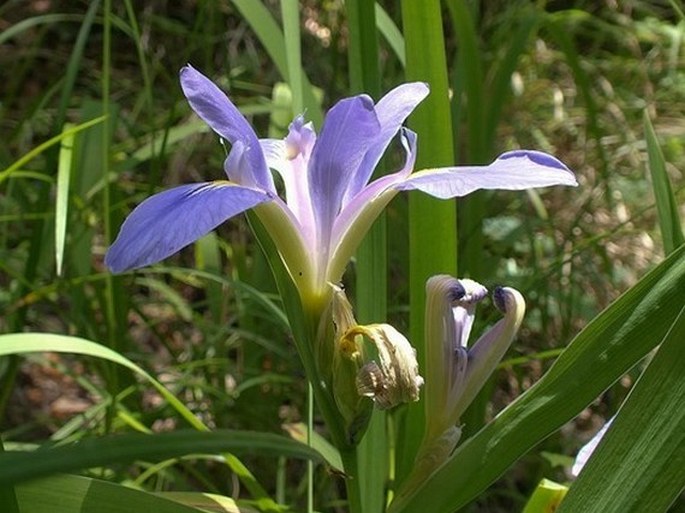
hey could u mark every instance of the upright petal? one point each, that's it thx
(391, 110)
(359, 214)
(214, 107)
(289, 157)
(514, 170)
(166, 222)
(350, 128)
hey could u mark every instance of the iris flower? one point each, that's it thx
(329, 201)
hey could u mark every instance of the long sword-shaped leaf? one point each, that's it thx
(16, 467)
(640, 463)
(76, 494)
(609, 346)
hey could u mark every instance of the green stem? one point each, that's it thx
(432, 223)
(352, 485)
(310, 463)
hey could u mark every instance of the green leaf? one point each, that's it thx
(298, 432)
(207, 502)
(391, 33)
(271, 37)
(76, 494)
(608, 347)
(7, 172)
(667, 208)
(290, 12)
(16, 467)
(640, 463)
(21, 26)
(20, 343)
(62, 196)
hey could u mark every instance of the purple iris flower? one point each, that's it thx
(329, 202)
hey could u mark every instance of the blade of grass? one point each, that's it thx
(640, 463)
(147, 88)
(298, 432)
(208, 259)
(431, 221)
(666, 206)
(271, 37)
(500, 91)
(21, 26)
(386, 26)
(28, 157)
(290, 13)
(62, 198)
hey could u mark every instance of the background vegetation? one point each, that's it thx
(207, 323)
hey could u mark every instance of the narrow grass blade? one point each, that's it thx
(386, 26)
(471, 69)
(208, 259)
(21, 26)
(271, 36)
(290, 12)
(16, 467)
(22, 343)
(667, 208)
(607, 348)
(640, 463)
(28, 157)
(431, 222)
(62, 197)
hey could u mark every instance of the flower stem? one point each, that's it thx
(352, 484)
